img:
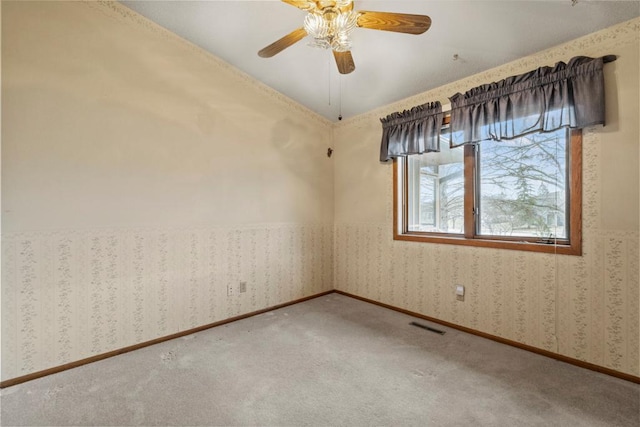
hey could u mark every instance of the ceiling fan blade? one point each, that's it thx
(345, 63)
(301, 4)
(283, 43)
(398, 22)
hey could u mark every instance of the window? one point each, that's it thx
(522, 194)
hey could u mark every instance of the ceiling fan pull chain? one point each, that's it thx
(329, 77)
(340, 98)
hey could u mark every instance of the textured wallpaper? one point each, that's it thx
(585, 307)
(71, 295)
(515, 295)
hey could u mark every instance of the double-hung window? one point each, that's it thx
(522, 194)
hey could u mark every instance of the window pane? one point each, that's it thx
(523, 186)
(436, 191)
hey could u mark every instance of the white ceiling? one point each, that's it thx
(389, 66)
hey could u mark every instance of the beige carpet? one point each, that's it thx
(331, 361)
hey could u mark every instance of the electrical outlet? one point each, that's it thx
(243, 287)
(230, 290)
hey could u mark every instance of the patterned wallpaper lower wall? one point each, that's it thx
(508, 293)
(582, 307)
(71, 295)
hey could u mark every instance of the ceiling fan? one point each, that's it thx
(330, 22)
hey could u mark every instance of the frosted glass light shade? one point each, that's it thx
(331, 29)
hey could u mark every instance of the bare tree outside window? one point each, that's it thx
(522, 186)
(522, 194)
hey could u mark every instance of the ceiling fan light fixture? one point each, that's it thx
(341, 44)
(330, 22)
(316, 26)
(330, 28)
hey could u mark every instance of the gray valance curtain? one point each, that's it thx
(546, 99)
(413, 131)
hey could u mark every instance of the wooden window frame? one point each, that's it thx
(571, 247)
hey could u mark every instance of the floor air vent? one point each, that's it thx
(428, 328)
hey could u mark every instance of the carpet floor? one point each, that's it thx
(329, 361)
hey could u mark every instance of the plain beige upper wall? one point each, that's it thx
(620, 137)
(110, 123)
(363, 184)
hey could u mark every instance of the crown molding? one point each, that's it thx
(600, 43)
(126, 16)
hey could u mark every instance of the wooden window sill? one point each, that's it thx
(518, 245)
